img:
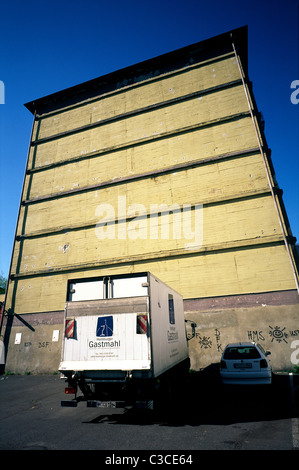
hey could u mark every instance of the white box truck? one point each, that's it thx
(125, 341)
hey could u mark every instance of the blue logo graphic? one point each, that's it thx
(105, 326)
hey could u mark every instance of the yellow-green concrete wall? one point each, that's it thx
(58, 233)
(238, 271)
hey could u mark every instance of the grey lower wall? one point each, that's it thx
(245, 318)
(31, 344)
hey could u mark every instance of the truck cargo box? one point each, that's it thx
(132, 324)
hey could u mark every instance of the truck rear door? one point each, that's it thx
(108, 334)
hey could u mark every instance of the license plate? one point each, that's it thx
(242, 365)
(107, 404)
(101, 404)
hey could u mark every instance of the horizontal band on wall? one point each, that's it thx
(191, 305)
(142, 141)
(257, 242)
(140, 83)
(138, 111)
(150, 174)
(34, 319)
(257, 299)
(212, 202)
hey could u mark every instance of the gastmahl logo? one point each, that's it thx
(152, 223)
(2, 93)
(105, 327)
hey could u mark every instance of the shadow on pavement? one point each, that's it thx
(205, 400)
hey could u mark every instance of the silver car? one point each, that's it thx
(245, 363)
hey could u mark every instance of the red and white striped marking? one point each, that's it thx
(141, 324)
(69, 328)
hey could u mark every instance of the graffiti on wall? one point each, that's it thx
(277, 334)
(206, 341)
(218, 340)
(256, 336)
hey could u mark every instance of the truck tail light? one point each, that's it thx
(69, 390)
(141, 324)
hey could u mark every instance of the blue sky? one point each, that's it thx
(49, 45)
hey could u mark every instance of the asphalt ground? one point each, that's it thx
(209, 416)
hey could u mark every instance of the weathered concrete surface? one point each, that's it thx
(38, 349)
(275, 327)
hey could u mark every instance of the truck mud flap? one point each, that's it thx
(69, 403)
(72, 403)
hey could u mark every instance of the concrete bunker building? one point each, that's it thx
(114, 166)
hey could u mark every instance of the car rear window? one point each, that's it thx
(248, 352)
